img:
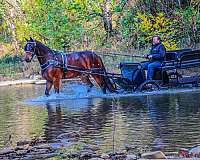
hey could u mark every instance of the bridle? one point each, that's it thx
(33, 54)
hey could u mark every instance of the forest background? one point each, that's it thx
(119, 26)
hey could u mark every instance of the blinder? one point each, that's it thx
(30, 48)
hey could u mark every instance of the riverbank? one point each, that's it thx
(67, 146)
(30, 81)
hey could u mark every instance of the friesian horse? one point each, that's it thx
(58, 65)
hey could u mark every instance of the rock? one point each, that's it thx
(86, 154)
(183, 152)
(43, 146)
(119, 157)
(43, 151)
(12, 155)
(74, 155)
(154, 155)
(131, 157)
(22, 143)
(105, 156)
(129, 147)
(21, 152)
(158, 144)
(195, 151)
(21, 147)
(71, 135)
(190, 153)
(56, 146)
(7, 151)
(96, 158)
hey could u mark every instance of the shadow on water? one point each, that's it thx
(167, 121)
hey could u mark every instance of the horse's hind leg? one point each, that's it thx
(48, 87)
(110, 85)
(57, 85)
(86, 79)
(100, 81)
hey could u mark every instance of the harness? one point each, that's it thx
(49, 63)
(64, 60)
(56, 63)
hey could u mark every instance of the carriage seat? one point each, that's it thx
(172, 60)
(174, 54)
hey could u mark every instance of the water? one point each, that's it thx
(168, 119)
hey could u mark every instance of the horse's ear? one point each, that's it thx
(31, 39)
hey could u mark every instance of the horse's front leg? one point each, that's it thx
(48, 87)
(57, 85)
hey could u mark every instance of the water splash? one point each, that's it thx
(77, 91)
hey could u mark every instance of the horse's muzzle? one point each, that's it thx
(27, 60)
(28, 57)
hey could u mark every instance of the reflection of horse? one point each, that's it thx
(56, 65)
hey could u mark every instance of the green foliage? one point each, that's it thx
(9, 66)
(188, 22)
(4, 32)
(80, 24)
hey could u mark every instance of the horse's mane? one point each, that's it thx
(40, 44)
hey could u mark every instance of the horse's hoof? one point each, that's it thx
(47, 94)
(88, 90)
(57, 91)
(104, 92)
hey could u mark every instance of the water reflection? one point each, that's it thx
(166, 120)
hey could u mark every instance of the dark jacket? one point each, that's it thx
(158, 52)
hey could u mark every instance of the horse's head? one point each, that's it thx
(29, 49)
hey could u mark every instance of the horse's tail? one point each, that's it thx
(106, 80)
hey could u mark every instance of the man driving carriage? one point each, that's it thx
(156, 56)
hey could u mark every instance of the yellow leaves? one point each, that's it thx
(78, 1)
(170, 45)
(114, 20)
(156, 25)
(146, 24)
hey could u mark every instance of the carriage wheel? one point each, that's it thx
(150, 85)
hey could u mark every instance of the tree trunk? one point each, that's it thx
(107, 18)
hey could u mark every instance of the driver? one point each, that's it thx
(156, 56)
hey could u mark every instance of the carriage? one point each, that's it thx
(132, 76)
